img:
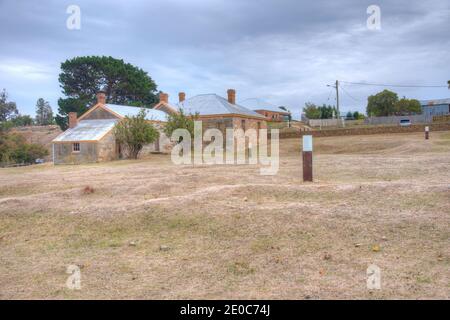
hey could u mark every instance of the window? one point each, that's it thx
(76, 147)
(243, 124)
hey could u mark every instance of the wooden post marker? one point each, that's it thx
(427, 133)
(307, 158)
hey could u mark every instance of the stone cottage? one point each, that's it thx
(216, 111)
(90, 138)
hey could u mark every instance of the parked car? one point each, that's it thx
(405, 122)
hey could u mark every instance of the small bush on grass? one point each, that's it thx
(135, 132)
(15, 150)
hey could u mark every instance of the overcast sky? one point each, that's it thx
(282, 51)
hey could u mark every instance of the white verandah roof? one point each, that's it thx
(87, 130)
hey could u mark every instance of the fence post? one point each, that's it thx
(307, 158)
(427, 132)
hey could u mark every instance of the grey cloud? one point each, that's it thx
(282, 51)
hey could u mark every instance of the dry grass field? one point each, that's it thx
(153, 230)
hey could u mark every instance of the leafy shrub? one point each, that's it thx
(180, 121)
(135, 132)
(15, 149)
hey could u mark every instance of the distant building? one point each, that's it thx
(274, 115)
(269, 111)
(435, 107)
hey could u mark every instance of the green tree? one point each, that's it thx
(382, 104)
(69, 105)
(408, 106)
(135, 132)
(21, 121)
(327, 112)
(44, 113)
(180, 120)
(358, 116)
(82, 77)
(349, 115)
(8, 109)
(15, 149)
(311, 111)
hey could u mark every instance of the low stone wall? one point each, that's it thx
(366, 131)
(443, 118)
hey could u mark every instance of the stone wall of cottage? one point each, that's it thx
(107, 148)
(99, 114)
(63, 153)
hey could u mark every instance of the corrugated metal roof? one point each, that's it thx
(434, 102)
(210, 104)
(152, 114)
(260, 104)
(87, 130)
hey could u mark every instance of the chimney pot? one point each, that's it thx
(73, 119)
(181, 96)
(163, 97)
(101, 97)
(231, 96)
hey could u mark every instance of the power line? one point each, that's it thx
(329, 95)
(346, 92)
(392, 85)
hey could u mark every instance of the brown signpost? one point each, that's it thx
(307, 159)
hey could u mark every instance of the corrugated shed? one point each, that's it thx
(87, 130)
(211, 104)
(435, 107)
(152, 114)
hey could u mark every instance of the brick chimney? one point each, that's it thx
(101, 97)
(73, 120)
(181, 96)
(163, 97)
(231, 96)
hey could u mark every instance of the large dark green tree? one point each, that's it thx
(82, 77)
(323, 112)
(382, 104)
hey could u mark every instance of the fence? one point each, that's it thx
(366, 130)
(325, 122)
(418, 118)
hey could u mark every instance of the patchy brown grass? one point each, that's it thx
(154, 230)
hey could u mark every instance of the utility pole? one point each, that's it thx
(337, 99)
(336, 86)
